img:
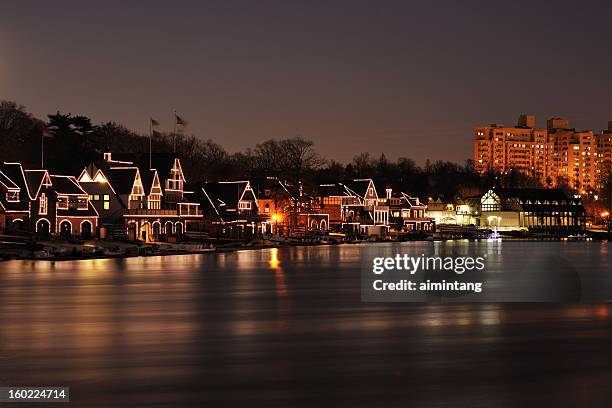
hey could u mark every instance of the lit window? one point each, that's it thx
(96, 197)
(106, 197)
(43, 205)
(106, 205)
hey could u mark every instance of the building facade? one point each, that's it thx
(140, 197)
(557, 156)
(33, 201)
(534, 209)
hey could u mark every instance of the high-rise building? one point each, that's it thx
(557, 155)
(575, 156)
(604, 153)
(500, 148)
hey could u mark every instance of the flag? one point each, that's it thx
(47, 135)
(154, 122)
(180, 121)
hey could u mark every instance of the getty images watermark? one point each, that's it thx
(404, 277)
(486, 272)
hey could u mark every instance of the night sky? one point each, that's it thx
(407, 79)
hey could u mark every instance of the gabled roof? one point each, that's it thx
(227, 193)
(35, 180)
(148, 177)
(7, 182)
(15, 172)
(359, 186)
(350, 188)
(122, 179)
(412, 201)
(66, 185)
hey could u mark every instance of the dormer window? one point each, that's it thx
(12, 195)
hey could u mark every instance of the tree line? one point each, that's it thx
(72, 141)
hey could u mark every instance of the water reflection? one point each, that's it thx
(285, 327)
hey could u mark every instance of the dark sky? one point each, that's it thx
(408, 79)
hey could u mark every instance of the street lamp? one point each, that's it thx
(604, 215)
(275, 218)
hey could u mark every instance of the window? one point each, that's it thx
(62, 203)
(12, 195)
(154, 202)
(244, 205)
(43, 204)
(267, 208)
(175, 182)
(96, 197)
(106, 197)
(106, 205)
(82, 203)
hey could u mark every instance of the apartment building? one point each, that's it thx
(604, 154)
(574, 157)
(501, 148)
(558, 155)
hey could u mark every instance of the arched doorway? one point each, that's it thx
(145, 231)
(131, 229)
(168, 228)
(313, 225)
(43, 227)
(156, 230)
(16, 225)
(323, 225)
(86, 229)
(65, 229)
(178, 229)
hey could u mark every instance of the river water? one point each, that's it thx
(287, 327)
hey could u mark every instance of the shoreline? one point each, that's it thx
(58, 250)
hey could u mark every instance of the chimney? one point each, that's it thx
(389, 193)
(107, 157)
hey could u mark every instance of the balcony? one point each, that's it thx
(189, 210)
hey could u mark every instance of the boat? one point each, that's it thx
(42, 254)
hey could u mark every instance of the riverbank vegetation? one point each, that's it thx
(69, 136)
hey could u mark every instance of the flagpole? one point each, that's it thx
(150, 143)
(42, 150)
(175, 130)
